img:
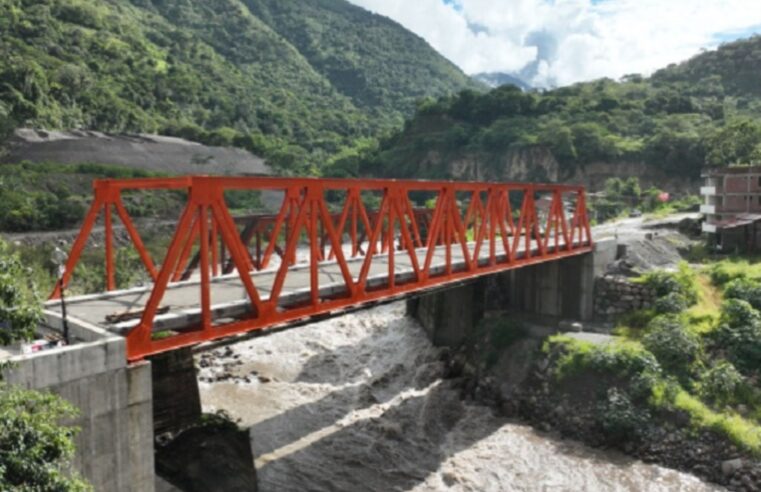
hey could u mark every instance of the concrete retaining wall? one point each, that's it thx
(115, 442)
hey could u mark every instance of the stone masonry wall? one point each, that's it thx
(616, 294)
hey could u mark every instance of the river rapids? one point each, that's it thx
(359, 403)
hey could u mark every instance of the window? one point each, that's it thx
(759, 181)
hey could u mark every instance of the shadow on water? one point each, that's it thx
(297, 422)
(394, 451)
(357, 394)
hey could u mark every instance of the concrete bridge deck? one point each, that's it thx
(229, 299)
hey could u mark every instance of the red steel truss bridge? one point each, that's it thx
(334, 245)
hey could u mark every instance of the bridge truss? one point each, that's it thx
(350, 242)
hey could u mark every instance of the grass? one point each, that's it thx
(629, 359)
(742, 432)
(620, 358)
(703, 315)
(733, 268)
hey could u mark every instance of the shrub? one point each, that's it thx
(622, 359)
(20, 310)
(721, 383)
(673, 303)
(682, 283)
(742, 345)
(638, 319)
(499, 333)
(675, 347)
(619, 417)
(737, 312)
(739, 335)
(744, 289)
(504, 331)
(35, 451)
(662, 282)
(726, 271)
(221, 420)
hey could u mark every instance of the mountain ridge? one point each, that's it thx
(498, 79)
(705, 111)
(216, 72)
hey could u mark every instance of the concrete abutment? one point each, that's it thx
(561, 289)
(114, 445)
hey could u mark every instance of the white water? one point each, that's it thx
(357, 403)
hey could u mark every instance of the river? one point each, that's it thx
(358, 403)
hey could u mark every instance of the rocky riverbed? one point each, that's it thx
(365, 402)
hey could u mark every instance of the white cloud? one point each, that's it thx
(557, 42)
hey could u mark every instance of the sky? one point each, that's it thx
(559, 42)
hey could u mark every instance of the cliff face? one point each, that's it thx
(537, 164)
(594, 175)
(525, 164)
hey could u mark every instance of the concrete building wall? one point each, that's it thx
(742, 184)
(115, 442)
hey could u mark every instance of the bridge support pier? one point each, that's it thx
(449, 315)
(176, 398)
(562, 289)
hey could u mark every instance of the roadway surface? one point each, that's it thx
(229, 299)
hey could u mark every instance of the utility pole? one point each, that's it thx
(59, 259)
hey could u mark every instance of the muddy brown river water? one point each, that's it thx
(358, 403)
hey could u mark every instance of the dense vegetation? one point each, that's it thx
(43, 196)
(696, 352)
(624, 197)
(35, 450)
(20, 310)
(705, 111)
(260, 74)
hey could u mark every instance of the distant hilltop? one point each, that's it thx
(498, 79)
(156, 153)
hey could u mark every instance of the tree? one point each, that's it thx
(20, 310)
(631, 187)
(34, 449)
(737, 143)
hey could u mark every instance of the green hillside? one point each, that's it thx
(705, 111)
(382, 67)
(296, 81)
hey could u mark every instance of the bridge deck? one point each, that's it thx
(229, 299)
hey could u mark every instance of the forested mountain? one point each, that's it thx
(294, 80)
(705, 111)
(379, 65)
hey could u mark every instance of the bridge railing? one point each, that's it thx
(382, 238)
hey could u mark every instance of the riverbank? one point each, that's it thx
(587, 408)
